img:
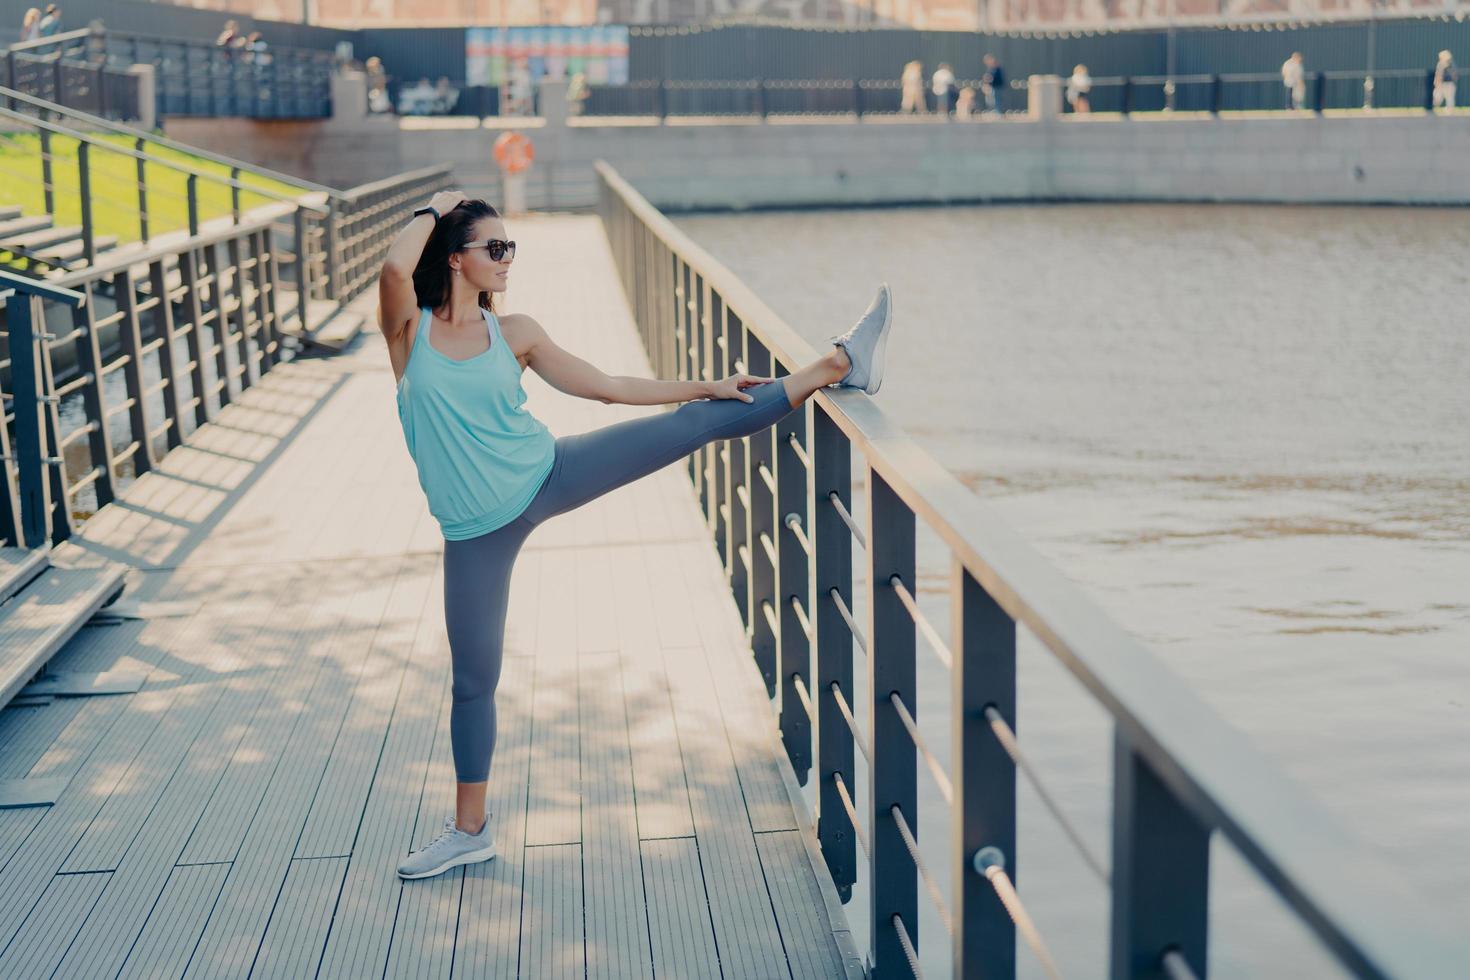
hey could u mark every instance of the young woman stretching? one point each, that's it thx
(492, 472)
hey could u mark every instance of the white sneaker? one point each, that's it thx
(452, 848)
(865, 344)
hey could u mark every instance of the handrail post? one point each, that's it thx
(760, 98)
(983, 776)
(1161, 872)
(795, 652)
(235, 194)
(857, 97)
(25, 354)
(764, 643)
(892, 878)
(1429, 91)
(192, 187)
(330, 241)
(1127, 94)
(48, 189)
(663, 100)
(138, 145)
(1319, 94)
(303, 275)
(84, 184)
(831, 568)
(1217, 92)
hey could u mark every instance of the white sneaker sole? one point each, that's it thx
(470, 857)
(875, 381)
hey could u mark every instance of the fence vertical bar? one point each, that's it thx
(84, 185)
(89, 360)
(303, 273)
(740, 537)
(144, 458)
(893, 878)
(1127, 94)
(792, 582)
(1160, 876)
(189, 269)
(235, 194)
(1319, 92)
(333, 214)
(764, 641)
(192, 188)
(983, 777)
(138, 146)
(48, 189)
(25, 354)
(831, 568)
(163, 327)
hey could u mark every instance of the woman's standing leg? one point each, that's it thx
(476, 591)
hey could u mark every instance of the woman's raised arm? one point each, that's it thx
(397, 305)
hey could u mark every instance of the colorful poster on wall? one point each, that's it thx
(549, 52)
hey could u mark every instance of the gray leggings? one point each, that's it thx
(477, 570)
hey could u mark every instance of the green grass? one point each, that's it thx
(114, 185)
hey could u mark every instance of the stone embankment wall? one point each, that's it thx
(1381, 159)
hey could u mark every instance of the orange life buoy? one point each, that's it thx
(514, 152)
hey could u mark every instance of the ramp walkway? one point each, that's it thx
(242, 813)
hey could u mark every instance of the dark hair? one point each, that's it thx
(454, 230)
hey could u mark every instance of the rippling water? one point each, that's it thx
(1244, 432)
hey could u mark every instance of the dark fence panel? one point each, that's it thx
(146, 17)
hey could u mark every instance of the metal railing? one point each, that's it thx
(780, 508)
(1259, 91)
(88, 69)
(184, 348)
(869, 98)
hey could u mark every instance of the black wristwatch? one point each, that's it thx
(427, 209)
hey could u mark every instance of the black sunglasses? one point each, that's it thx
(497, 249)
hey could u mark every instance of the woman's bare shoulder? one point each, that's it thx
(521, 332)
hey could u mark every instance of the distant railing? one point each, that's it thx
(1247, 92)
(780, 507)
(87, 69)
(867, 97)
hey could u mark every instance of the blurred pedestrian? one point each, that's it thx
(943, 87)
(377, 86)
(913, 87)
(446, 96)
(1445, 77)
(993, 85)
(964, 106)
(30, 25)
(1078, 87)
(1294, 81)
(227, 36)
(50, 22)
(578, 92)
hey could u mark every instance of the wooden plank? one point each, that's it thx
(36, 623)
(490, 909)
(750, 943)
(293, 941)
(336, 810)
(678, 911)
(617, 922)
(363, 922)
(551, 931)
(553, 808)
(39, 945)
(661, 794)
(422, 944)
(800, 911)
(238, 921)
(164, 945)
(145, 735)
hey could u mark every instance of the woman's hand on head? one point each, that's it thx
(446, 201)
(734, 386)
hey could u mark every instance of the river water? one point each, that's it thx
(1245, 433)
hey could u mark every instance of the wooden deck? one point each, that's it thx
(244, 812)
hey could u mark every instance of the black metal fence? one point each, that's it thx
(88, 69)
(780, 507)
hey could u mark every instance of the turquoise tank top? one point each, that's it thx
(481, 456)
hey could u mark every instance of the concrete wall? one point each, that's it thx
(1414, 158)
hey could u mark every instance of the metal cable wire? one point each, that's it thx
(793, 521)
(797, 448)
(936, 642)
(801, 617)
(1176, 966)
(1006, 892)
(806, 699)
(857, 828)
(935, 895)
(857, 634)
(941, 778)
(857, 736)
(847, 519)
(1007, 739)
(908, 945)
